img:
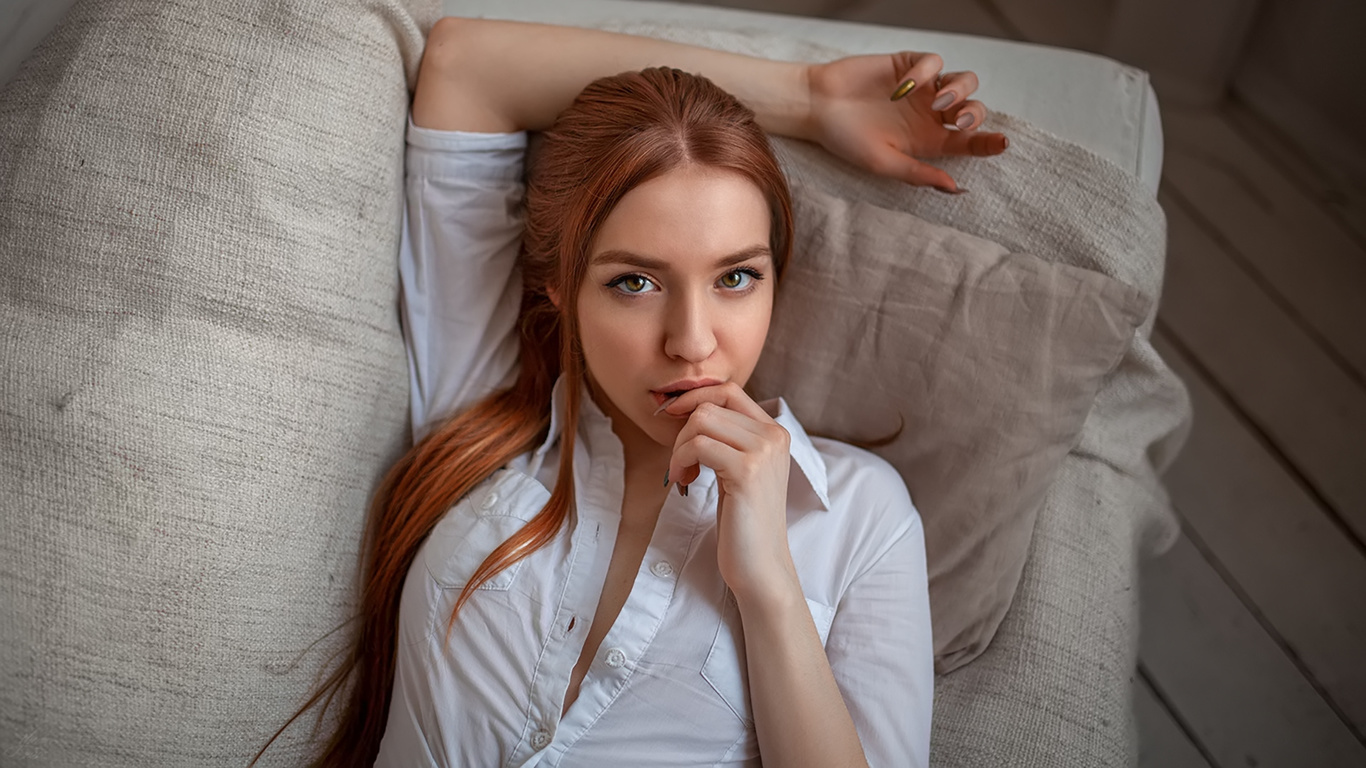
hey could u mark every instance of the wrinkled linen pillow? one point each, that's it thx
(988, 362)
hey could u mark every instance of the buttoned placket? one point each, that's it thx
(580, 590)
(599, 498)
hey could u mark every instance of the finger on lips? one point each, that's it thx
(727, 395)
(735, 425)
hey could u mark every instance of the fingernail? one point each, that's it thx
(666, 478)
(946, 98)
(1007, 140)
(964, 120)
(682, 490)
(666, 404)
(906, 87)
(947, 191)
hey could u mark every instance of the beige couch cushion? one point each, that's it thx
(988, 362)
(202, 375)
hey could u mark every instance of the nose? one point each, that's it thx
(688, 331)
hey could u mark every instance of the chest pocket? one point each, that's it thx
(488, 515)
(725, 667)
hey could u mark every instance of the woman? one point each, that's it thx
(534, 592)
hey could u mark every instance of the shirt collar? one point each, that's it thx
(810, 465)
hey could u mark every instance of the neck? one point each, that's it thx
(643, 456)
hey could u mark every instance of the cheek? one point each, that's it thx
(746, 333)
(611, 338)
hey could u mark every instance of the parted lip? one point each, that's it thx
(685, 384)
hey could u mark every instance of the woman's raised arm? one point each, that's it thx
(499, 76)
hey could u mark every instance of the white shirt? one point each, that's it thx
(668, 685)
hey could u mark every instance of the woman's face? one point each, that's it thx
(678, 294)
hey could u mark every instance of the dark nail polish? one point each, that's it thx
(666, 478)
(682, 490)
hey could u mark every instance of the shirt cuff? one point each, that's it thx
(433, 139)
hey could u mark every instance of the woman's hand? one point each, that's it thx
(750, 454)
(854, 117)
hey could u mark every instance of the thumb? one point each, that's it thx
(897, 165)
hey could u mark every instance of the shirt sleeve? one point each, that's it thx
(881, 650)
(461, 289)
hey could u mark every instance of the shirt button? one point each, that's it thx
(662, 569)
(540, 739)
(615, 658)
(489, 501)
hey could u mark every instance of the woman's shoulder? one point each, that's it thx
(870, 514)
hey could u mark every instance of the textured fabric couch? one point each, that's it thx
(202, 375)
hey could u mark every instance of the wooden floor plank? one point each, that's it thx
(1329, 188)
(1289, 387)
(814, 8)
(1299, 251)
(1239, 694)
(1161, 742)
(1296, 566)
(966, 17)
(1060, 23)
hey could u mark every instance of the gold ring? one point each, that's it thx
(906, 87)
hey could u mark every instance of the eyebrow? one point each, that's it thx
(616, 256)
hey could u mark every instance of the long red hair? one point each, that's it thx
(620, 132)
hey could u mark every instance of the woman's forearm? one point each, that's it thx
(492, 76)
(799, 714)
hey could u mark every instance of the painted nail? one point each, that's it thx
(666, 478)
(666, 404)
(682, 490)
(947, 191)
(965, 120)
(906, 87)
(946, 98)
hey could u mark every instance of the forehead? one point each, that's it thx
(689, 216)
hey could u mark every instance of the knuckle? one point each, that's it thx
(782, 436)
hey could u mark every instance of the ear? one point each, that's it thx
(554, 296)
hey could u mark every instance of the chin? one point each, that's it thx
(665, 433)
